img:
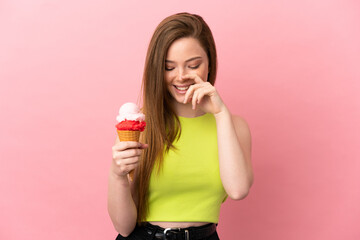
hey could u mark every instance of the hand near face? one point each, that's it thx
(203, 94)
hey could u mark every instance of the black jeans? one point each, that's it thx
(140, 233)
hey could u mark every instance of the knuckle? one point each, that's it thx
(120, 146)
(115, 155)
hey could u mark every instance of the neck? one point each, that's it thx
(185, 110)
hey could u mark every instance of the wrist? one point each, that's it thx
(223, 113)
(119, 178)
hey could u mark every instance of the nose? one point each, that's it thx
(181, 72)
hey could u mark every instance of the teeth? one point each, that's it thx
(182, 88)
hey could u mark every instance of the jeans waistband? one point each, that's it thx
(190, 233)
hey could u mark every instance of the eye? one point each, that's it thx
(168, 69)
(195, 67)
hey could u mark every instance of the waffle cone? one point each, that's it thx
(125, 135)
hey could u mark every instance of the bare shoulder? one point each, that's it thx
(240, 124)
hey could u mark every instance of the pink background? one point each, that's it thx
(290, 68)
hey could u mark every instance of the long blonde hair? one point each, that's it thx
(162, 124)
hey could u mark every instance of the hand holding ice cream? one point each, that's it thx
(131, 123)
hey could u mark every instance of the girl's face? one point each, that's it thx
(184, 56)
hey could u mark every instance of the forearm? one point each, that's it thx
(234, 170)
(121, 206)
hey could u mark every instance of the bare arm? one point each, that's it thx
(234, 140)
(234, 146)
(121, 193)
(121, 207)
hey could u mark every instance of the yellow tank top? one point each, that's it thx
(189, 188)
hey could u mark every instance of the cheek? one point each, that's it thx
(168, 82)
(167, 78)
(202, 73)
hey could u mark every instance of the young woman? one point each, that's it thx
(193, 153)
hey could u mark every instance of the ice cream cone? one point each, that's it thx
(125, 135)
(131, 121)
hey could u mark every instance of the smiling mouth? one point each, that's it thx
(182, 88)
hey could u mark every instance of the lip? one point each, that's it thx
(182, 85)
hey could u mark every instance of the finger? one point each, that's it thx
(205, 92)
(120, 146)
(128, 153)
(127, 161)
(190, 91)
(117, 155)
(144, 145)
(126, 169)
(195, 97)
(132, 167)
(200, 97)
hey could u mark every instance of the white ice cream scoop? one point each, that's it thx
(130, 111)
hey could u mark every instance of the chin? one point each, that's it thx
(179, 99)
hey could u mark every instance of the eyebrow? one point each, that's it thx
(193, 58)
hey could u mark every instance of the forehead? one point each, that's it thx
(185, 48)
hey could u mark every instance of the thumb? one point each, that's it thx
(144, 145)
